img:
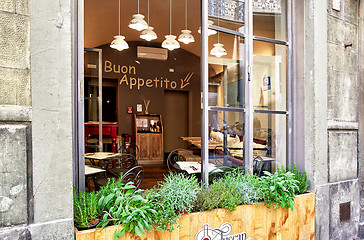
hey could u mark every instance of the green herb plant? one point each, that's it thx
(85, 208)
(300, 176)
(165, 216)
(179, 191)
(128, 209)
(279, 189)
(234, 189)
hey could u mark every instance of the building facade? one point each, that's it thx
(38, 75)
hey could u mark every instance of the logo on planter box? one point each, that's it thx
(222, 233)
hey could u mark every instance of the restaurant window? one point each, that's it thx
(245, 92)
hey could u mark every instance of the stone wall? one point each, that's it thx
(343, 101)
(15, 118)
(36, 120)
(332, 120)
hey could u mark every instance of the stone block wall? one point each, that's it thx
(36, 167)
(343, 91)
(332, 100)
(15, 119)
(338, 198)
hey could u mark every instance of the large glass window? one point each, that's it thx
(248, 87)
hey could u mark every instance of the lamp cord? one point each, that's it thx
(186, 14)
(138, 6)
(119, 17)
(148, 12)
(170, 17)
(218, 23)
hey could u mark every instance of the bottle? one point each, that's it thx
(205, 232)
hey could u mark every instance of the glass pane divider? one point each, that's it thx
(228, 109)
(270, 40)
(226, 30)
(271, 111)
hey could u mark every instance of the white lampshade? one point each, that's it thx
(138, 23)
(148, 34)
(218, 50)
(186, 37)
(209, 31)
(119, 43)
(170, 43)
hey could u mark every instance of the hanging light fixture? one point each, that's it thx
(170, 42)
(218, 50)
(119, 43)
(209, 31)
(186, 36)
(138, 23)
(148, 34)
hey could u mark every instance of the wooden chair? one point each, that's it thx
(179, 155)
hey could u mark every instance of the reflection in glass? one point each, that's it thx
(226, 74)
(229, 13)
(270, 139)
(226, 139)
(269, 76)
(93, 142)
(270, 19)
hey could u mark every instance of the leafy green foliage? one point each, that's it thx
(127, 208)
(230, 191)
(301, 177)
(179, 191)
(165, 218)
(85, 208)
(279, 189)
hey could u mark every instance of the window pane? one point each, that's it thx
(226, 74)
(227, 14)
(270, 19)
(269, 141)
(269, 76)
(226, 138)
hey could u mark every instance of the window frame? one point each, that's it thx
(248, 108)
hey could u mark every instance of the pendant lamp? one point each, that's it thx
(186, 36)
(170, 42)
(218, 50)
(148, 34)
(119, 42)
(209, 31)
(138, 23)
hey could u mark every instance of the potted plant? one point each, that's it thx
(85, 209)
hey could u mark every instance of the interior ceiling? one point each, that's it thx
(101, 22)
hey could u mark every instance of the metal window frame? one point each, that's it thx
(99, 98)
(248, 108)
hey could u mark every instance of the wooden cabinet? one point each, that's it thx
(148, 132)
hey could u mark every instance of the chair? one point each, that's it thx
(258, 165)
(131, 149)
(122, 164)
(179, 155)
(223, 157)
(135, 175)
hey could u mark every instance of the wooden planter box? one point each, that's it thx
(257, 222)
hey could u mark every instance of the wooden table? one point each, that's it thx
(108, 129)
(90, 173)
(196, 141)
(102, 156)
(195, 167)
(89, 170)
